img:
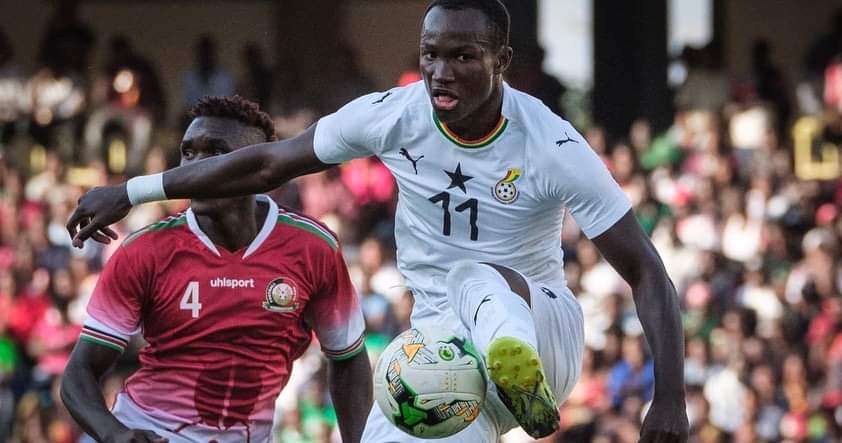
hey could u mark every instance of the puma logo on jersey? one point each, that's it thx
(549, 293)
(561, 142)
(233, 283)
(381, 99)
(414, 161)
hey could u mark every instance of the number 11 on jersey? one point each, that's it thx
(190, 299)
(472, 204)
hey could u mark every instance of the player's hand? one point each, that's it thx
(136, 436)
(97, 209)
(666, 422)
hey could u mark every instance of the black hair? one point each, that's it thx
(498, 16)
(236, 108)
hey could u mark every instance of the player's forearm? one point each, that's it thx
(659, 313)
(81, 394)
(633, 255)
(243, 172)
(351, 391)
(254, 169)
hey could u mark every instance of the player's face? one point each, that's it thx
(211, 136)
(460, 67)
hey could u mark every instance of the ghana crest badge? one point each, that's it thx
(281, 296)
(505, 190)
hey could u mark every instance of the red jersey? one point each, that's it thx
(223, 328)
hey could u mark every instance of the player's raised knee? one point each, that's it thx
(462, 271)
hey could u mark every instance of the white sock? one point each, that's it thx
(487, 306)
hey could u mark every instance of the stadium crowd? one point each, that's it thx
(741, 197)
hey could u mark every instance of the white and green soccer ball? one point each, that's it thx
(430, 384)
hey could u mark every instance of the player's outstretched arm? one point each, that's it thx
(255, 169)
(82, 396)
(631, 253)
(351, 391)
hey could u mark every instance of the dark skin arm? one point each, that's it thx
(81, 394)
(627, 248)
(351, 390)
(252, 170)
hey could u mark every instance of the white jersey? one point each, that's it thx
(499, 199)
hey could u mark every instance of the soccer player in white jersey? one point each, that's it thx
(484, 173)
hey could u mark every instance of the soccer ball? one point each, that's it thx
(430, 385)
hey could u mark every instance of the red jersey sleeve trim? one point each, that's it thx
(102, 338)
(357, 347)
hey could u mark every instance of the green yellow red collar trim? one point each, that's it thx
(472, 144)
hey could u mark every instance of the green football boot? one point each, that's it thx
(515, 367)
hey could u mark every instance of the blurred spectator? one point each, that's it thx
(346, 78)
(821, 70)
(587, 402)
(290, 430)
(57, 103)
(12, 96)
(379, 267)
(129, 97)
(824, 48)
(54, 333)
(633, 376)
(526, 73)
(706, 86)
(256, 83)
(57, 89)
(373, 190)
(130, 80)
(293, 118)
(8, 357)
(289, 94)
(379, 317)
(598, 140)
(833, 85)
(206, 77)
(767, 84)
(68, 42)
(323, 193)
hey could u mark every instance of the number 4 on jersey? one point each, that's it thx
(190, 299)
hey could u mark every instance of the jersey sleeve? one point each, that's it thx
(115, 306)
(336, 314)
(576, 175)
(354, 131)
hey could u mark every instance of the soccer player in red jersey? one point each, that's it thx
(227, 295)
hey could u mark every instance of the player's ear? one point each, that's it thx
(504, 59)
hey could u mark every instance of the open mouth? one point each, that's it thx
(444, 100)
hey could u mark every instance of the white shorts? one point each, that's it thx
(133, 417)
(559, 324)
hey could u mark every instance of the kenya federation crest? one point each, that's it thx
(505, 190)
(281, 296)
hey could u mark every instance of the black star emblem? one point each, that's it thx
(457, 179)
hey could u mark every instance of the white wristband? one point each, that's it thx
(146, 188)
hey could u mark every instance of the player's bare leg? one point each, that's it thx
(493, 302)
